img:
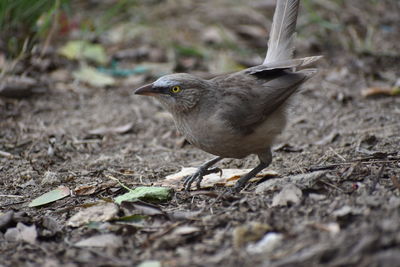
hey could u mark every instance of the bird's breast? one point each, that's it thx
(216, 137)
(207, 133)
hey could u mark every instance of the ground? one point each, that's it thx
(349, 215)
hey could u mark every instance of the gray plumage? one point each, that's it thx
(235, 115)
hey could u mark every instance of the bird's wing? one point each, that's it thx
(247, 101)
(285, 64)
(280, 44)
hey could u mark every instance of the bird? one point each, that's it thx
(238, 114)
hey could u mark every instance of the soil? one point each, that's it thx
(350, 217)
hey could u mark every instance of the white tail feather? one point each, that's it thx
(280, 44)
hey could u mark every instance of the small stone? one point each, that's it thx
(267, 244)
(289, 194)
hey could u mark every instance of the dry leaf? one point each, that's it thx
(85, 190)
(267, 244)
(379, 91)
(249, 232)
(185, 230)
(93, 77)
(141, 207)
(99, 213)
(112, 130)
(101, 241)
(228, 177)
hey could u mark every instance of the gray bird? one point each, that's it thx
(238, 114)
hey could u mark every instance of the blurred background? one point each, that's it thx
(127, 41)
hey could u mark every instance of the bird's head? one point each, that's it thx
(177, 92)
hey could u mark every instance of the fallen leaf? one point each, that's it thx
(101, 241)
(185, 230)
(379, 91)
(99, 213)
(93, 77)
(78, 49)
(332, 228)
(112, 130)
(146, 193)
(317, 197)
(249, 232)
(289, 194)
(141, 207)
(228, 177)
(151, 263)
(56, 194)
(85, 190)
(345, 211)
(267, 244)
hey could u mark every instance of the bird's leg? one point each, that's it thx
(265, 160)
(202, 171)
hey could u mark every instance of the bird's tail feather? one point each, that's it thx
(280, 44)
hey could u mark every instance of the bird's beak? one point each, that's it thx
(146, 90)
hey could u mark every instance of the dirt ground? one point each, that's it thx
(349, 215)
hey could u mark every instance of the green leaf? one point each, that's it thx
(146, 193)
(189, 51)
(150, 263)
(80, 48)
(56, 194)
(395, 91)
(93, 77)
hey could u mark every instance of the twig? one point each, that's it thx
(337, 154)
(332, 185)
(215, 201)
(366, 160)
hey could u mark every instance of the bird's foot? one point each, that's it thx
(198, 177)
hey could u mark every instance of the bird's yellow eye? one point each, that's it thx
(175, 89)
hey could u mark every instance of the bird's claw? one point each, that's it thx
(198, 177)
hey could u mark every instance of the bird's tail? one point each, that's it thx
(280, 44)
